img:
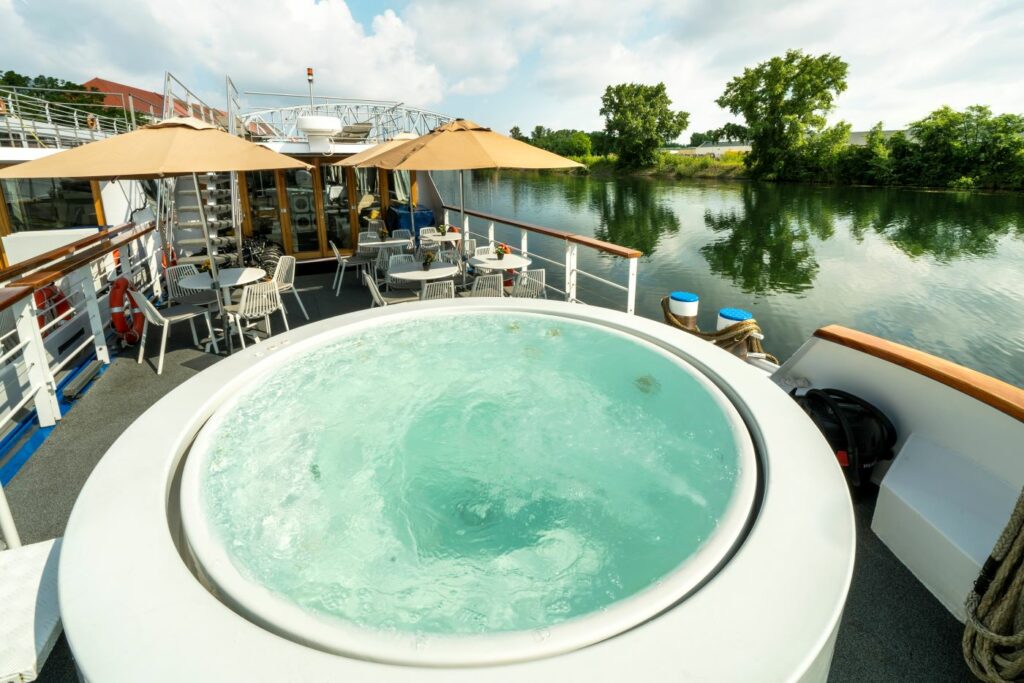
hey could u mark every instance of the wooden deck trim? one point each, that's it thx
(995, 393)
(9, 295)
(606, 247)
(58, 270)
(19, 269)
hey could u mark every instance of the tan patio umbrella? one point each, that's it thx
(462, 145)
(366, 157)
(173, 147)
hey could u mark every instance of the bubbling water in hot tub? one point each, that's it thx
(482, 473)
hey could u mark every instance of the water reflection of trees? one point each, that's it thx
(629, 211)
(943, 225)
(765, 245)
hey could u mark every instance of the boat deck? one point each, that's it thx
(892, 629)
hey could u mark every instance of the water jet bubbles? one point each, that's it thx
(541, 634)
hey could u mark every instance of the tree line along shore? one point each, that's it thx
(783, 105)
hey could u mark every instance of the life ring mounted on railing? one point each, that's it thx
(51, 304)
(125, 316)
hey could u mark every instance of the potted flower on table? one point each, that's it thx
(427, 260)
(501, 249)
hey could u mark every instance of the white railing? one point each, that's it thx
(54, 315)
(562, 251)
(27, 121)
(386, 119)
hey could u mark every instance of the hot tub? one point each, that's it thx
(478, 489)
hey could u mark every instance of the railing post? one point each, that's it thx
(570, 271)
(631, 286)
(465, 225)
(37, 365)
(99, 337)
(445, 219)
(522, 240)
(7, 528)
(490, 233)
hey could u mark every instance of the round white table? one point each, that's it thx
(492, 262)
(386, 243)
(226, 277)
(448, 237)
(413, 272)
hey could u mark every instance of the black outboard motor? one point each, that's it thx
(858, 432)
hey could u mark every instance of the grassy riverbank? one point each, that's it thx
(670, 166)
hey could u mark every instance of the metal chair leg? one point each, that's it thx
(163, 349)
(195, 337)
(209, 327)
(301, 307)
(142, 341)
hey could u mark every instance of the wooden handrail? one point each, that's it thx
(9, 295)
(591, 242)
(44, 277)
(23, 267)
(1000, 395)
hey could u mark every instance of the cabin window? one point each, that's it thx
(49, 203)
(336, 206)
(368, 197)
(266, 219)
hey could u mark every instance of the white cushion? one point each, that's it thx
(29, 613)
(940, 512)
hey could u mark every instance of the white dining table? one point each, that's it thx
(414, 272)
(492, 262)
(226, 278)
(386, 243)
(448, 237)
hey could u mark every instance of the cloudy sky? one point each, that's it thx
(529, 62)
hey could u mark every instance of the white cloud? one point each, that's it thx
(531, 62)
(261, 44)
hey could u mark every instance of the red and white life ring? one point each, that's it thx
(50, 297)
(129, 331)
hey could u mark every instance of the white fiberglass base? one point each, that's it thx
(133, 611)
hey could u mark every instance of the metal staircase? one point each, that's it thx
(187, 220)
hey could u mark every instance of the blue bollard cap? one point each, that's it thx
(688, 297)
(735, 314)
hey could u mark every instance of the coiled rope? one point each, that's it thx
(746, 333)
(994, 635)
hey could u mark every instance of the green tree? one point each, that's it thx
(517, 134)
(600, 143)
(783, 101)
(972, 144)
(697, 139)
(639, 120)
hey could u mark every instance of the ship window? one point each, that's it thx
(49, 203)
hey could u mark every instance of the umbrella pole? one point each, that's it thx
(213, 262)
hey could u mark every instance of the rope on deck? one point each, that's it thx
(993, 643)
(745, 333)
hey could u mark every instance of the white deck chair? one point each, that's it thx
(378, 298)
(164, 319)
(395, 283)
(176, 294)
(284, 278)
(487, 285)
(384, 255)
(258, 301)
(443, 289)
(28, 603)
(356, 261)
(369, 253)
(401, 234)
(529, 284)
(375, 225)
(483, 251)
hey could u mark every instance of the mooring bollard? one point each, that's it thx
(684, 306)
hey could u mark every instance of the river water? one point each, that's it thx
(940, 271)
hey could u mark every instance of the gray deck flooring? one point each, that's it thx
(892, 629)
